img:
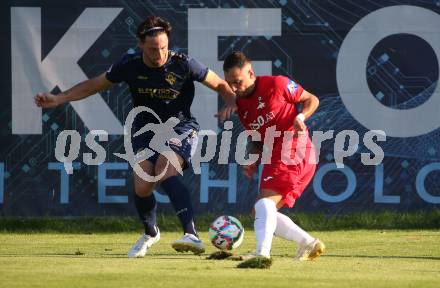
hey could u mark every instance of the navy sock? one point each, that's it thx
(146, 208)
(181, 201)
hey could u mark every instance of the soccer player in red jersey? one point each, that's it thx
(267, 104)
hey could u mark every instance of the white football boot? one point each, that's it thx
(189, 242)
(142, 245)
(311, 251)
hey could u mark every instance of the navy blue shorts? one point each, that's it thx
(185, 148)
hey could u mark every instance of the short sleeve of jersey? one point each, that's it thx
(197, 71)
(292, 90)
(117, 72)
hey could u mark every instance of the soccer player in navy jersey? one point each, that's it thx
(163, 81)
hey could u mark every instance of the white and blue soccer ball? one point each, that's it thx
(226, 233)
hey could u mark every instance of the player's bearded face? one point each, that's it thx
(155, 49)
(241, 80)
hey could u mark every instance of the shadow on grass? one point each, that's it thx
(383, 257)
(174, 256)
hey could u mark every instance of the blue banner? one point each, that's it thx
(373, 64)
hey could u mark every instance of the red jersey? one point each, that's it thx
(272, 103)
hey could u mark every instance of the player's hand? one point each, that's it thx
(249, 170)
(46, 100)
(300, 126)
(226, 112)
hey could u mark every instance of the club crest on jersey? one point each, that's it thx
(170, 78)
(292, 86)
(261, 104)
(193, 134)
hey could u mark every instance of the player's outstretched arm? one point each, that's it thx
(309, 105)
(77, 92)
(214, 82)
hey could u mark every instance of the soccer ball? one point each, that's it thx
(226, 233)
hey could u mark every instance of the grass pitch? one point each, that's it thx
(358, 258)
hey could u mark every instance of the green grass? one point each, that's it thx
(356, 258)
(317, 222)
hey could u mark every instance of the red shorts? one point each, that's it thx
(289, 181)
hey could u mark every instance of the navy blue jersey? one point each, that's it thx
(168, 90)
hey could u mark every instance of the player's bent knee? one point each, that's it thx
(273, 196)
(143, 188)
(163, 163)
(141, 192)
(171, 172)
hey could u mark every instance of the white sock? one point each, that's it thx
(264, 225)
(288, 230)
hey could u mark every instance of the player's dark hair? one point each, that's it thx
(153, 26)
(235, 59)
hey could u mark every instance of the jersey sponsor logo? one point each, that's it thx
(159, 93)
(292, 86)
(261, 121)
(142, 77)
(261, 104)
